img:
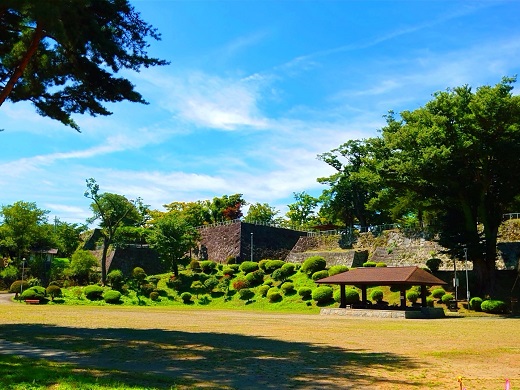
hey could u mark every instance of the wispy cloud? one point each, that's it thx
(203, 100)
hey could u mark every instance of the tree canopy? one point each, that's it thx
(63, 55)
(113, 212)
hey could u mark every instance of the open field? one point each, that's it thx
(143, 347)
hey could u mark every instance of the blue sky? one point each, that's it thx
(254, 92)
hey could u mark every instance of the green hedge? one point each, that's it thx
(475, 303)
(93, 292)
(112, 296)
(494, 306)
(313, 264)
(322, 294)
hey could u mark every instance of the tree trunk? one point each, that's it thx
(485, 277)
(18, 71)
(106, 244)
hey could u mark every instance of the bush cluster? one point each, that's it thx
(412, 296)
(438, 293)
(494, 306)
(475, 303)
(274, 295)
(313, 264)
(305, 292)
(272, 265)
(248, 266)
(351, 296)
(112, 296)
(322, 294)
(377, 295)
(320, 274)
(93, 292)
(337, 269)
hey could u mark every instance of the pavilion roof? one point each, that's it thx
(386, 276)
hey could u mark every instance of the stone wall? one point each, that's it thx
(350, 258)
(234, 240)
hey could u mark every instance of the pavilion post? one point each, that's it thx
(403, 298)
(364, 294)
(343, 298)
(423, 296)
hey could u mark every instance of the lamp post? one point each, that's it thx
(466, 266)
(23, 270)
(251, 246)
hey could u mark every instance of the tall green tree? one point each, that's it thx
(227, 207)
(262, 212)
(194, 213)
(23, 228)
(460, 152)
(355, 187)
(173, 237)
(63, 55)
(302, 213)
(113, 212)
(67, 236)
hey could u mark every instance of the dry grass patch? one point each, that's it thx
(237, 350)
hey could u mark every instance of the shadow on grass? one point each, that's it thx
(219, 361)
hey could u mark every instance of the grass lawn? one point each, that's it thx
(121, 347)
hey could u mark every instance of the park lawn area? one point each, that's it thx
(120, 347)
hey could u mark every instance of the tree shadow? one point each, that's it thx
(214, 360)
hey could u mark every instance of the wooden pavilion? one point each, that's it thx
(403, 277)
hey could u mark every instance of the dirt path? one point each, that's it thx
(6, 299)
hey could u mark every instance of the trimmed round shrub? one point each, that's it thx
(112, 296)
(154, 296)
(240, 284)
(228, 271)
(93, 292)
(146, 289)
(305, 292)
(262, 263)
(313, 264)
(494, 306)
(53, 291)
(35, 292)
(186, 297)
(280, 274)
(287, 287)
(434, 264)
(116, 279)
(412, 296)
(274, 295)
(320, 274)
(273, 265)
(446, 298)
(198, 287)
(438, 293)
(322, 294)
(255, 278)
(210, 283)
(246, 294)
(351, 296)
(381, 264)
(475, 303)
(377, 295)
(195, 266)
(430, 302)
(369, 264)
(207, 266)
(18, 286)
(262, 290)
(289, 268)
(248, 266)
(337, 269)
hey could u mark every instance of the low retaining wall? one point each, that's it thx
(424, 313)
